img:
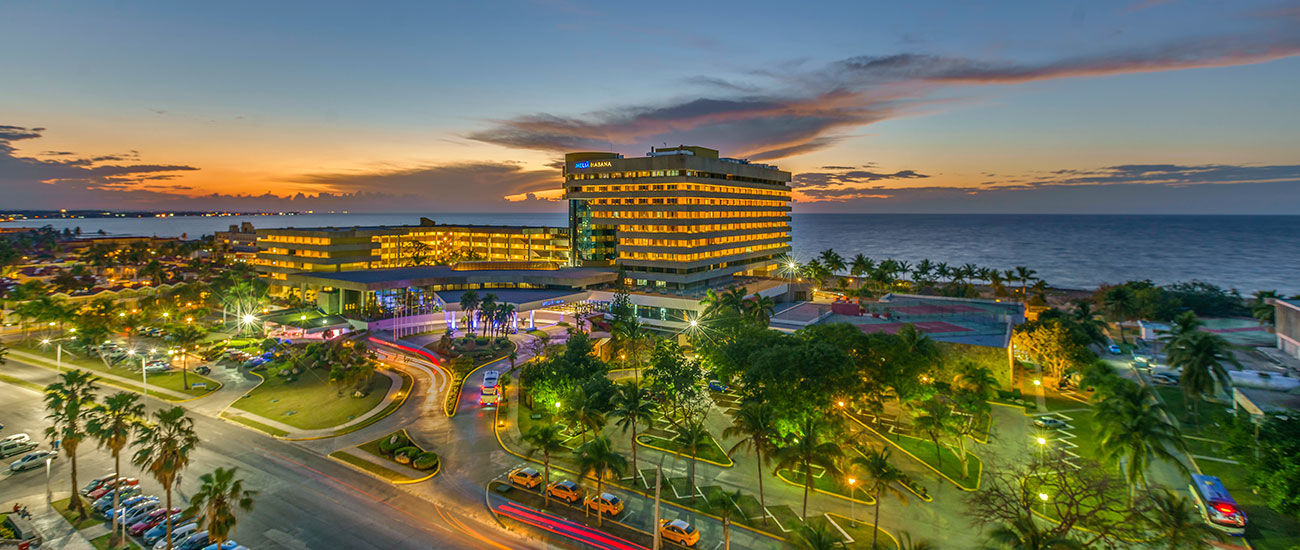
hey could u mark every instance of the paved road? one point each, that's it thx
(305, 501)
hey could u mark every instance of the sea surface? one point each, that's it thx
(1078, 251)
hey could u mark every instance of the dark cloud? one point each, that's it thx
(799, 110)
(477, 186)
(847, 178)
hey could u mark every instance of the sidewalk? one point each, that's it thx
(57, 531)
(129, 382)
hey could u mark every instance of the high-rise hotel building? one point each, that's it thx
(678, 219)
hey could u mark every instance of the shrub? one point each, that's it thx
(426, 461)
(404, 454)
(481, 341)
(393, 443)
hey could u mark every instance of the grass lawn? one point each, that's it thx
(540, 334)
(1085, 436)
(255, 425)
(20, 382)
(1207, 424)
(369, 466)
(1036, 485)
(786, 516)
(62, 507)
(311, 402)
(372, 447)
(983, 424)
(1266, 529)
(861, 531)
(407, 383)
(171, 381)
(825, 483)
(711, 451)
(101, 543)
(950, 467)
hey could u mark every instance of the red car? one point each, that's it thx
(108, 486)
(154, 518)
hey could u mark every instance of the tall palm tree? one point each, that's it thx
(632, 407)
(1175, 520)
(811, 444)
(1263, 311)
(932, 418)
(1121, 305)
(692, 437)
(486, 309)
(1024, 534)
(70, 402)
(832, 260)
(111, 425)
(905, 542)
(631, 336)
(723, 505)
(214, 504)
(545, 439)
(881, 477)
(861, 265)
(598, 459)
(163, 448)
(469, 302)
(755, 425)
(187, 336)
(975, 379)
(1201, 356)
(1025, 275)
(1088, 322)
(583, 412)
(1132, 431)
(758, 309)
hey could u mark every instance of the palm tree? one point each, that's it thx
(755, 425)
(810, 445)
(1132, 430)
(468, 303)
(1262, 310)
(723, 505)
(932, 418)
(70, 402)
(187, 336)
(1201, 356)
(111, 425)
(486, 309)
(819, 537)
(918, 344)
(598, 459)
(692, 437)
(832, 260)
(632, 407)
(975, 379)
(164, 449)
(1121, 305)
(545, 439)
(1088, 322)
(861, 265)
(905, 542)
(631, 336)
(881, 478)
(1025, 275)
(758, 309)
(1175, 520)
(1024, 534)
(214, 504)
(582, 411)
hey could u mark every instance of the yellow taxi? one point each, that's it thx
(679, 532)
(525, 477)
(606, 504)
(566, 490)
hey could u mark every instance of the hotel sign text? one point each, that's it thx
(592, 164)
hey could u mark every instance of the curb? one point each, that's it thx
(461, 386)
(399, 402)
(683, 454)
(979, 475)
(828, 493)
(390, 481)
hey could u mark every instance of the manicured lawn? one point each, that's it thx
(311, 402)
(102, 543)
(1207, 424)
(62, 507)
(925, 452)
(255, 425)
(1266, 528)
(786, 516)
(711, 451)
(1085, 434)
(372, 447)
(368, 466)
(407, 383)
(861, 531)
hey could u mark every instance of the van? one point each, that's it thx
(18, 446)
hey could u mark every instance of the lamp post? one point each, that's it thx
(49, 495)
(853, 508)
(1043, 497)
(1042, 448)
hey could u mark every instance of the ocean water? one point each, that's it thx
(1081, 251)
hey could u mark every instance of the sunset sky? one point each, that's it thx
(1130, 106)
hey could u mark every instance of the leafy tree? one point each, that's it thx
(754, 427)
(934, 418)
(1175, 521)
(1051, 345)
(164, 449)
(631, 407)
(812, 444)
(1207, 299)
(111, 425)
(214, 504)
(631, 337)
(548, 440)
(598, 459)
(70, 403)
(976, 379)
(677, 378)
(881, 478)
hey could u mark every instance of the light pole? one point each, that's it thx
(1043, 497)
(1042, 448)
(853, 508)
(49, 495)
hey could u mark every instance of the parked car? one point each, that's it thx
(155, 534)
(679, 532)
(1165, 379)
(106, 502)
(107, 487)
(228, 545)
(31, 460)
(137, 511)
(127, 505)
(525, 477)
(95, 483)
(157, 367)
(202, 369)
(194, 542)
(253, 362)
(1049, 422)
(1114, 349)
(151, 519)
(605, 503)
(716, 385)
(566, 490)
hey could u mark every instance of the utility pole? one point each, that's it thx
(659, 477)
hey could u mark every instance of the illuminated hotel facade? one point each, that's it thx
(679, 219)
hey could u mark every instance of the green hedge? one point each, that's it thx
(393, 443)
(426, 461)
(405, 454)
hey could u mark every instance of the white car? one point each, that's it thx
(31, 460)
(15, 438)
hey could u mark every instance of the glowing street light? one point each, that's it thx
(841, 404)
(1038, 382)
(1042, 441)
(853, 515)
(249, 318)
(557, 406)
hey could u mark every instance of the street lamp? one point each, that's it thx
(49, 495)
(1043, 497)
(853, 516)
(694, 323)
(1042, 448)
(1038, 382)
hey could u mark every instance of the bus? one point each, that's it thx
(1217, 507)
(490, 393)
